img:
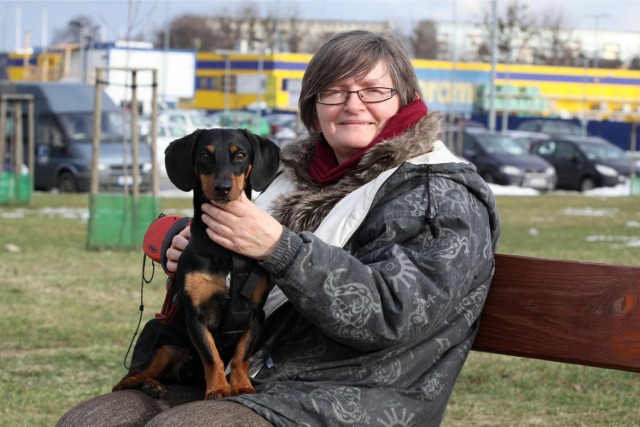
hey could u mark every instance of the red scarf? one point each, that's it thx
(324, 167)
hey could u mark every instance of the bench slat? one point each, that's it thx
(565, 311)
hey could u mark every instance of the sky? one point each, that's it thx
(40, 18)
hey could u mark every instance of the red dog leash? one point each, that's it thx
(152, 245)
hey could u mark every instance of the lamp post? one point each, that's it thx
(494, 60)
(596, 29)
(82, 25)
(260, 92)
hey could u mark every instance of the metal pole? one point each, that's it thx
(227, 82)
(3, 130)
(260, 79)
(507, 96)
(494, 60)
(31, 142)
(83, 51)
(454, 62)
(632, 149)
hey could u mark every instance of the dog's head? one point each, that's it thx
(221, 162)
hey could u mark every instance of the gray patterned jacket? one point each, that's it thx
(381, 279)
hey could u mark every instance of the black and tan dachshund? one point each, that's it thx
(218, 165)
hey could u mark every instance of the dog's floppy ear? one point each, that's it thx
(266, 161)
(178, 159)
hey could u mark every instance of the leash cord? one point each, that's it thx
(143, 280)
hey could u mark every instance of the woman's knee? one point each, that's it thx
(209, 413)
(122, 408)
(127, 407)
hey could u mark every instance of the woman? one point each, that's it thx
(380, 242)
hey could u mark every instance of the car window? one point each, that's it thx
(176, 131)
(603, 152)
(565, 151)
(553, 127)
(501, 144)
(467, 143)
(530, 126)
(546, 148)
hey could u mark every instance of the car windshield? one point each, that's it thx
(596, 151)
(501, 144)
(200, 120)
(79, 126)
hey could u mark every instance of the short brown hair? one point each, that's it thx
(355, 53)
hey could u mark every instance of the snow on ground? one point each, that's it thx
(621, 190)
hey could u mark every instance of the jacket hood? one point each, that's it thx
(306, 207)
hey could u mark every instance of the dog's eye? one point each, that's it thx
(241, 156)
(204, 157)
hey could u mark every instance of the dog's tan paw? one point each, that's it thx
(218, 393)
(153, 388)
(235, 391)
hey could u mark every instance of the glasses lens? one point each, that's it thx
(332, 97)
(376, 94)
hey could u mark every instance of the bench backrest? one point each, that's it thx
(565, 311)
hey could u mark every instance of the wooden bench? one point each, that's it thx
(564, 311)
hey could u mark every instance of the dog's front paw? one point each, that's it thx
(127, 384)
(153, 388)
(235, 391)
(218, 393)
(241, 386)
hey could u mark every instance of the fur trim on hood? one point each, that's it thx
(306, 207)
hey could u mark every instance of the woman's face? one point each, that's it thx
(351, 126)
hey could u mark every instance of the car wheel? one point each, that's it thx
(587, 184)
(67, 182)
(488, 178)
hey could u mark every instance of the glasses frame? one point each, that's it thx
(349, 92)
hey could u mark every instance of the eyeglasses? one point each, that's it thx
(370, 95)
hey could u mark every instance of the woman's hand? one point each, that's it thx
(242, 227)
(178, 243)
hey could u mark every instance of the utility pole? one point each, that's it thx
(494, 60)
(596, 30)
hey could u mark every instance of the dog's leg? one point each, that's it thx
(165, 358)
(240, 379)
(207, 294)
(217, 385)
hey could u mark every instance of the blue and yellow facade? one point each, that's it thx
(230, 81)
(446, 86)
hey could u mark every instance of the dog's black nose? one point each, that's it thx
(223, 190)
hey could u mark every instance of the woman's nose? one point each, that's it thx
(353, 101)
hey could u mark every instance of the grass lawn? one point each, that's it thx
(68, 314)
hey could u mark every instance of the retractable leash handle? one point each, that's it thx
(153, 240)
(154, 246)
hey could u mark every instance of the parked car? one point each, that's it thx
(188, 119)
(64, 118)
(166, 133)
(585, 162)
(552, 126)
(285, 127)
(239, 119)
(527, 138)
(501, 160)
